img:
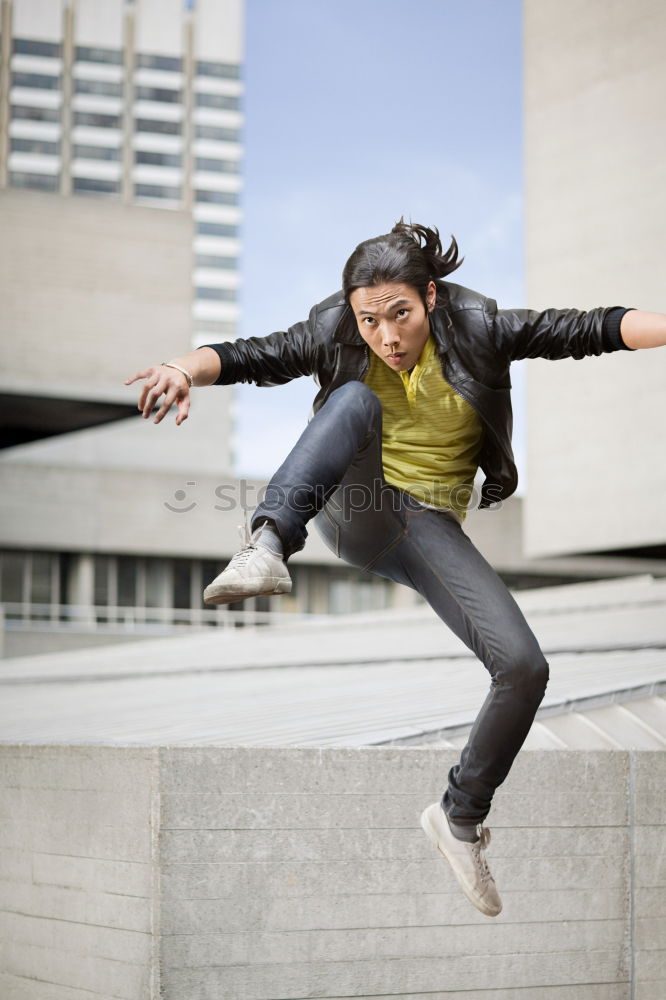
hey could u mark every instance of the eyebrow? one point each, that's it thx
(391, 305)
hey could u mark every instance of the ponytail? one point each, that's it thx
(410, 254)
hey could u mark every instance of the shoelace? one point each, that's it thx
(479, 858)
(248, 546)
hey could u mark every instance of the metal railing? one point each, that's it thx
(113, 619)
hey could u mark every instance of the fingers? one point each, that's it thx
(183, 409)
(158, 382)
(144, 403)
(151, 392)
(144, 374)
(174, 394)
(165, 407)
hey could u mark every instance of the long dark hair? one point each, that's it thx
(410, 254)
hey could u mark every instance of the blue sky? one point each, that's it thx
(358, 112)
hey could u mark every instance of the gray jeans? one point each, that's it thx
(334, 475)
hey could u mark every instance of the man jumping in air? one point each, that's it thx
(414, 396)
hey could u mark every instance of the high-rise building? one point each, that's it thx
(137, 102)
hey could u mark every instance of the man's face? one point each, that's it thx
(393, 321)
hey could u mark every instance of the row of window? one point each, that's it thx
(51, 182)
(43, 146)
(92, 119)
(221, 327)
(216, 294)
(216, 229)
(114, 57)
(99, 185)
(107, 88)
(154, 582)
(214, 260)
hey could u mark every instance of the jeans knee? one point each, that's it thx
(527, 673)
(357, 394)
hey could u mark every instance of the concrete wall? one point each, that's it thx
(595, 213)
(254, 874)
(79, 869)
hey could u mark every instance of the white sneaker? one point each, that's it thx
(253, 572)
(467, 860)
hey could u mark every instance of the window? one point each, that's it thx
(41, 577)
(126, 581)
(21, 112)
(86, 53)
(104, 88)
(219, 294)
(156, 191)
(223, 327)
(38, 81)
(11, 576)
(227, 102)
(19, 145)
(41, 182)
(158, 94)
(217, 166)
(102, 592)
(220, 133)
(217, 197)
(95, 185)
(173, 63)
(164, 128)
(216, 229)
(96, 152)
(160, 159)
(182, 577)
(30, 47)
(65, 573)
(224, 71)
(157, 573)
(211, 260)
(96, 120)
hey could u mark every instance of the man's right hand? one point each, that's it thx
(163, 381)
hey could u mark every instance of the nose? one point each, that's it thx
(390, 336)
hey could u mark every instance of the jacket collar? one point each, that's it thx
(346, 331)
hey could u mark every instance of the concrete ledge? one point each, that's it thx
(243, 873)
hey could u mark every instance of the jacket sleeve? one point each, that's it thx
(272, 360)
(555, 333)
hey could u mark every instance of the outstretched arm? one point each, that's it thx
(640, 329)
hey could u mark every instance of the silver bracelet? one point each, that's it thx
(170, 364)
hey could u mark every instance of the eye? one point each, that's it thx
(367, 320)
(402, 312)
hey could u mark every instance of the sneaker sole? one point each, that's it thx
(432, 835)
(227, 597)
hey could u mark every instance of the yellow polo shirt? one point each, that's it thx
(431, 436)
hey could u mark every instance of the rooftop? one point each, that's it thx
(380, 678)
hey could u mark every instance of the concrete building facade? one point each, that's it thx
(595, 205)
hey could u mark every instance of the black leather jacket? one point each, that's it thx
(476, 343)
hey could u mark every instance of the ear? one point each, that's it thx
(431, 295)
